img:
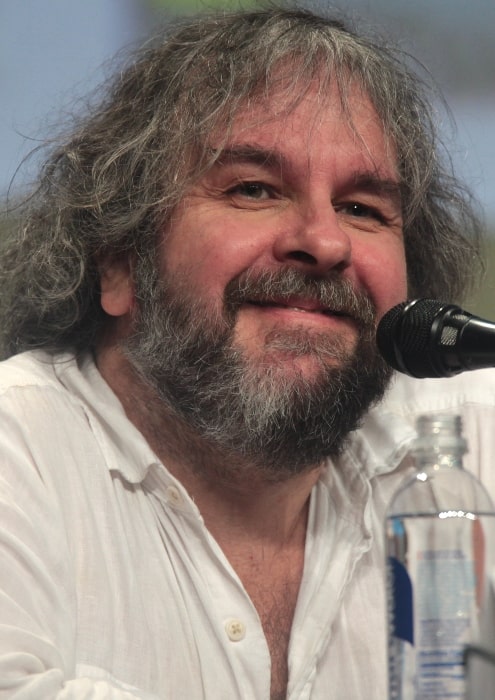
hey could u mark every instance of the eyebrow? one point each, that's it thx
(250, 153)
(373, 183)
(368, 181)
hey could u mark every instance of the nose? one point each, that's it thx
(315, 242)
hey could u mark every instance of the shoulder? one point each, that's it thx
(388, 428)
(55, 406)
(34, 397)
(409, 396)
(470, 395)
(31, 369)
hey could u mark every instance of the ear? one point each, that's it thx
(117, 286)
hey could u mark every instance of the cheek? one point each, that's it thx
(203, 270)
(385, 277)
(209, 259)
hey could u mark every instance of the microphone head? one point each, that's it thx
(413, 336)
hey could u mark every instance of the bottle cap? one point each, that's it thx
(438, 432)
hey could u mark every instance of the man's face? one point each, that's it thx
(273, 272)
(306, 191)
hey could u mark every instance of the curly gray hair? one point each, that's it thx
(112, 185)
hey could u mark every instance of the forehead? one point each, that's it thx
(313, 124)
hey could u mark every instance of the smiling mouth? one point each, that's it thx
(307, 308)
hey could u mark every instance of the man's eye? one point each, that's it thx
(362, 211)
(252, 190)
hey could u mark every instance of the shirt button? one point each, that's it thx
(236, 630)
(173, 495)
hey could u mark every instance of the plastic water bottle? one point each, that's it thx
(440, 542)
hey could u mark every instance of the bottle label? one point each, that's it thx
(445, 595)
(431, 600)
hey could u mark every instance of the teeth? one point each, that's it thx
(309, 311)
(297, 308)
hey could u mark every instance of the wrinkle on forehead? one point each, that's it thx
(351, 106)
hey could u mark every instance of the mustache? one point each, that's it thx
(333, 292)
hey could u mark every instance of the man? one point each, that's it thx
(189, 506)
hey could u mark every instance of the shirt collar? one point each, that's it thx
(378, 446)
(383, 439)
(124, 447)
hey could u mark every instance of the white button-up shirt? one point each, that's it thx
(111, 587)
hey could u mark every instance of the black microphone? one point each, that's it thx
(428, 338)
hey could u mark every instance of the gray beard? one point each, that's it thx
(281, 422)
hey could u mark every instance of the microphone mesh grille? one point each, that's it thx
(449, 335)
(405, 345)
